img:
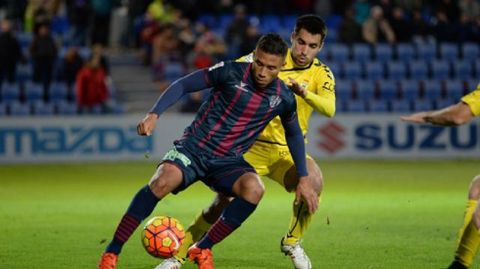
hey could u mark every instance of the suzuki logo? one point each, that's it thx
(331, 137)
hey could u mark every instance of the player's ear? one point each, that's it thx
(292, 37)
(321, 45)
(254, 53)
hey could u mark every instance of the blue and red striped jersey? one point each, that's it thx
(236, 111)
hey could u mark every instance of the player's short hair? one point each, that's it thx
(311, 23)
(272, 43)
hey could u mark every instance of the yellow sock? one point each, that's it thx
(193, 233)
(469, 236)
(299, 223)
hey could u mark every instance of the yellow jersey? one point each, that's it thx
(473, 101)
(318, 80)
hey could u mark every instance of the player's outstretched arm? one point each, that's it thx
(296, 145)
(454, 115)
(189, 83)
(192, 82)
(147, 124)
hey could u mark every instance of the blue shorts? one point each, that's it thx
(219, 173)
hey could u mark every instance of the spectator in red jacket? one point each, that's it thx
(91, 86)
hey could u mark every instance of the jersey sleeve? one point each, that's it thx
(473, 101)
(290, 112)
(218, 74)
(323, 98)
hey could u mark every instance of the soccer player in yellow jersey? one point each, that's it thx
(313, 84)
(458, 114)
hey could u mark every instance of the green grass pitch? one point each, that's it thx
(373, 214)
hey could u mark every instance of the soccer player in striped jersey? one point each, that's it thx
(313, 84)
(458, 114)
(244, 98)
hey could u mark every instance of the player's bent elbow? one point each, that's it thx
(458, 120)
(330, 113)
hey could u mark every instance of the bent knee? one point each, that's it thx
(476, 217)
(474, 191)
(252, 189)
(166, 179)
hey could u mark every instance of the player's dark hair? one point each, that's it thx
(272, 43)
(312, 24)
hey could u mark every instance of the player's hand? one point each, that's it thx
(306, 192)
(296, 88)
(147, 124)
(415, 118)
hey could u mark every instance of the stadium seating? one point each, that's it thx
(432, 89)
(472, 84)
(396, 70)
(269, 23)
(336, 69)
(24, 73)
(405, 52)
(378, 106)
(66, 108)
(422, 105)
(10, 92)
(357, 106)
(19, 109)
(361, 52)
(445, 102)
(440, 69)
(3, 109)
(33, 92)
(58, 91)
(343, 89)
(383, 52)
(476, 64)
(463, 69)
(418, 70)
(42, 109)
(365, 89)
(400, 106)
(374, 70)
(387, 89)
(426, 52)
(339, 53)
(409, 89)
(448, 52)
(470, 51)
(173, 71)
(352, 70)
(454, 89)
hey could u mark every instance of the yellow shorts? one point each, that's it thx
(270, 160)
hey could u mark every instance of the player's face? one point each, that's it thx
(305, 47)
(266, 67)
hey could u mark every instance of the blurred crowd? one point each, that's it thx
(176, 37)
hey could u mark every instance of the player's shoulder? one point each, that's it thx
(229, 67)
(322, 69)
(286, 92)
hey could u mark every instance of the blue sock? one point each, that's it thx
(141, 207)
(232, 217)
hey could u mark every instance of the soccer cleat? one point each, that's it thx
(297, 254)
(203, 257)
(457, 265)
(170, 263)
(108, 261)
